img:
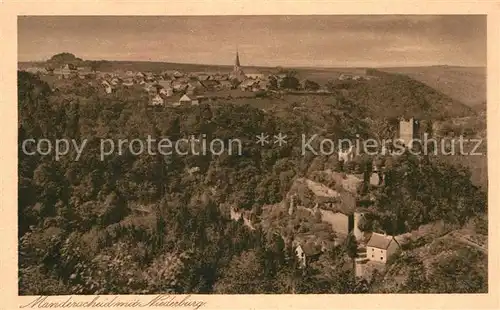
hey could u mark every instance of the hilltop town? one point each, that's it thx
(176, 87)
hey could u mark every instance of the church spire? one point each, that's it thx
(237, 71)
(237, 61)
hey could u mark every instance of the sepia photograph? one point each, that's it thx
(251, 154)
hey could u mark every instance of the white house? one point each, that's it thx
(148, 87)
(301, 256)
(107, 87)
(157, 100)
(346, 155)
(377, 177)
(344, 77)
(381, 247)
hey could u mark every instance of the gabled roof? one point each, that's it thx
(185, 98)
(203, 77)
(379, 241)
(195, 84)
(178, 74)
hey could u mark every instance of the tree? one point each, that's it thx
(382, 128)
(339, 166)
(64, 58)
(330, 85)
(164, 275)
(288, 279)
(416, 281)
(273, 83)
(459, 274)
(234, 83)
(289, 82)
(145, 224)
(351, 246)
(317, 216)
(244, 275)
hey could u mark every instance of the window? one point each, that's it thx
(381, 251)
(373, 255)
(381, 258)
(373, 249)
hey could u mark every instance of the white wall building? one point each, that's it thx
(381, 247)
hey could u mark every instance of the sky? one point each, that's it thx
(288, 41)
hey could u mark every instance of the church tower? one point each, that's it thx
(237, 62)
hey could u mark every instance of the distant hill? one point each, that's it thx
(465, 84)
